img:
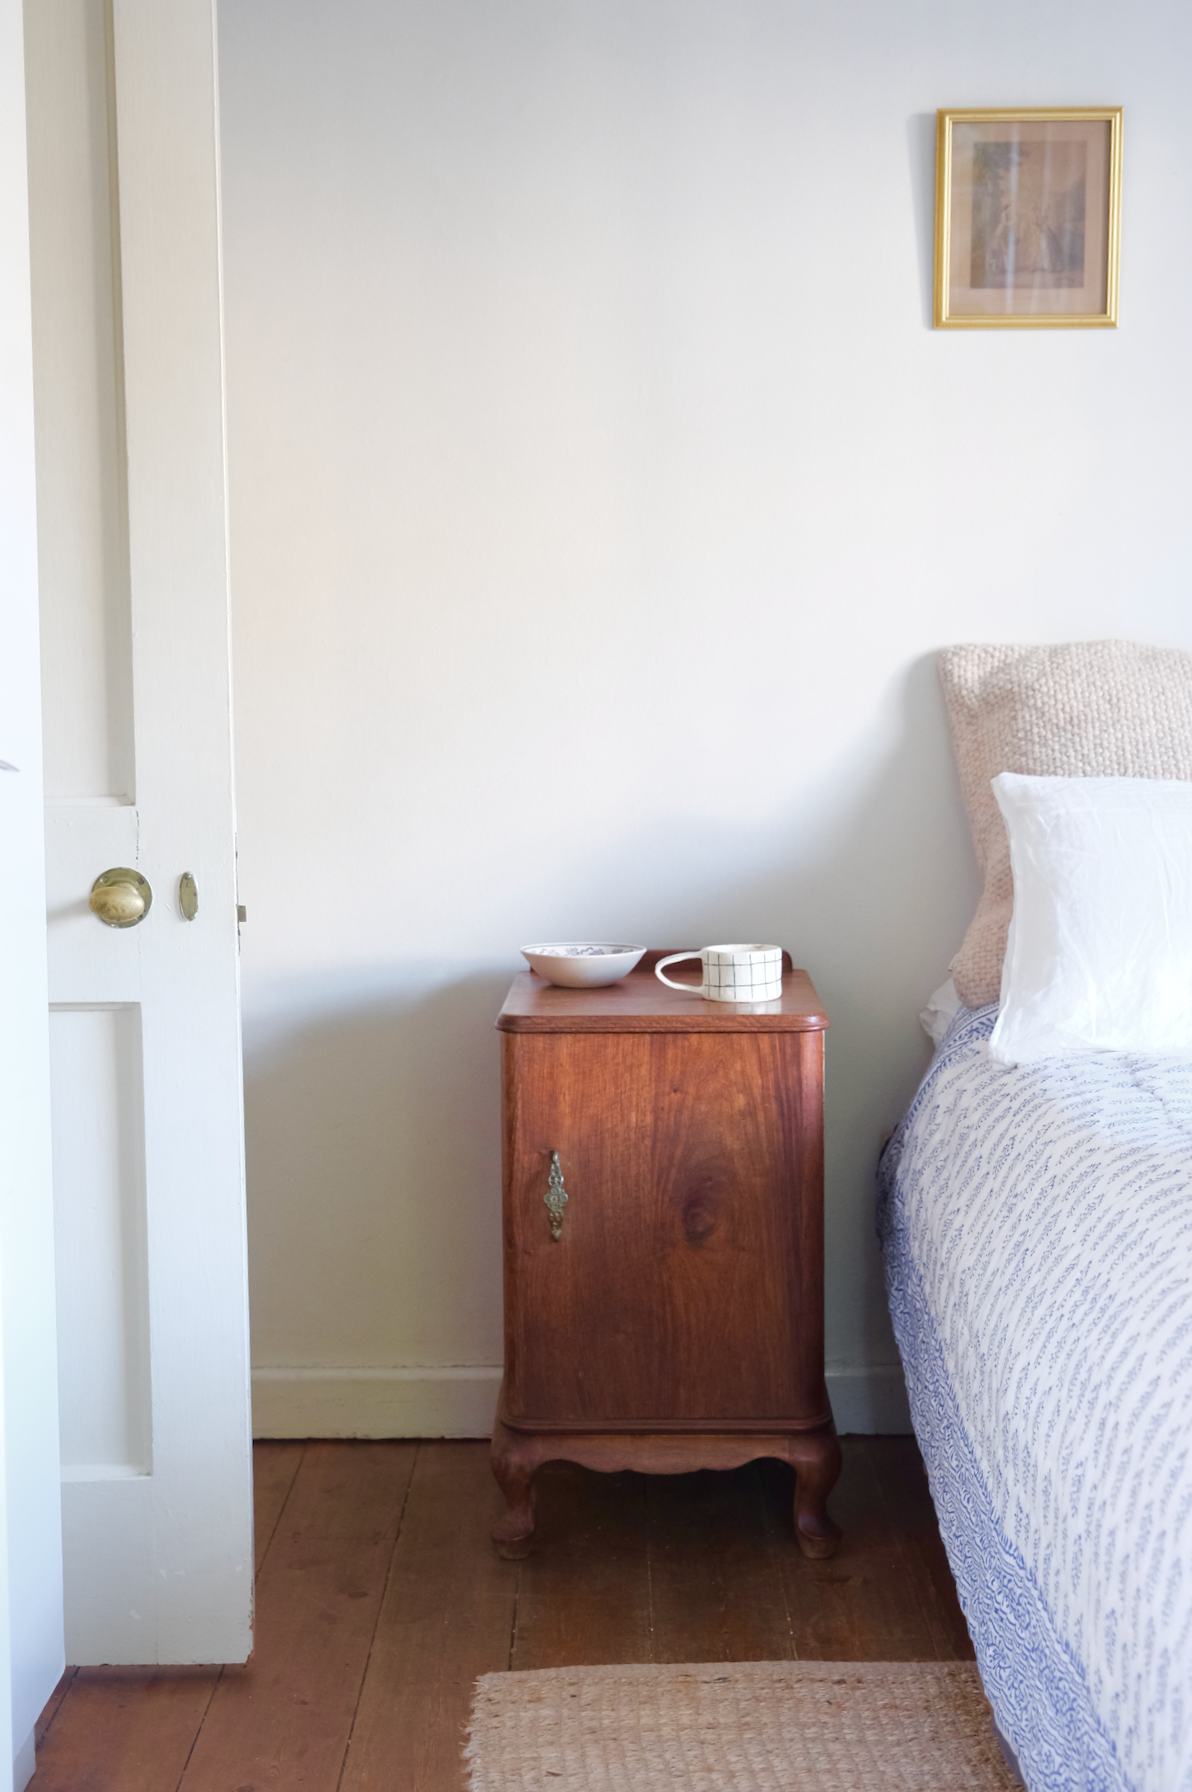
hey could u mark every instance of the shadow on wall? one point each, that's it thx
(372, 1098)
(920, 141)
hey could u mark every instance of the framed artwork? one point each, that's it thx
(1027, 217)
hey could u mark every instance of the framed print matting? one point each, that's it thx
(1027, 217)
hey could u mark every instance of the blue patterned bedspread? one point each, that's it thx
(1037, 1225)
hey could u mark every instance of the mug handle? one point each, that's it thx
(676, 958)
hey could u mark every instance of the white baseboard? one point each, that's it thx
(461, 1402)
(870, 1400)
(375, 1402)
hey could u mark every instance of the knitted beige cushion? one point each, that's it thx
(1091, 709)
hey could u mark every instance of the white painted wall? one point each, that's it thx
(31, 1647)
(601, 495)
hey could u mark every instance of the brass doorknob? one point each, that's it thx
(120, 897)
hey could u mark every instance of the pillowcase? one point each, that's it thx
(943, 1005)
(1100, 949)
(1088, 709)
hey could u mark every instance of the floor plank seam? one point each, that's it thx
(372, 1641)
(928, 1617)
(760, 1485)
(198, 1731)
(513, 1624)
(281, 1509)
(649, 1571)
(58, 1707)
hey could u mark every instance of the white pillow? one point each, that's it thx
(1100, 950)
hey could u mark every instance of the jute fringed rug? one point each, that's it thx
(767, 1726)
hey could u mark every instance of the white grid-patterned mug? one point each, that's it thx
(731, 973)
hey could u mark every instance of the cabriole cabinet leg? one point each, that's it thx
(514, 1461)
(816, 1459)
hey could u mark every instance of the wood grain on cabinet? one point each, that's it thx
(691, 1251)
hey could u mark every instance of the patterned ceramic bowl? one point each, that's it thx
(581, 964)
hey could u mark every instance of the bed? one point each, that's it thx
(1037, 1230)
(1036, 1223)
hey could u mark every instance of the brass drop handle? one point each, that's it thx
(120, 897)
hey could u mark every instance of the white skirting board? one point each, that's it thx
(870, 1400)
(460, 1402)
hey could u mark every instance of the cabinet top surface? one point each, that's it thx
(641, 1004)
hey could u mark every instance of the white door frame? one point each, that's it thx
(31, 1644)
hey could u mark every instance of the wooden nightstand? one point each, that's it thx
(670, 1314)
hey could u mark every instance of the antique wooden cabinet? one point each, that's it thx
(663, 1238)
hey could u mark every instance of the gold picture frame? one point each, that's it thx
(1028, 203)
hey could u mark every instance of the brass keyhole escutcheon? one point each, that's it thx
(555, 1197)
(188, 896)
(120, 897)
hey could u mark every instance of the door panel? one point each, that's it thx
(86, 642)
(681, 1266)
(97, 1095)
(149, 1186)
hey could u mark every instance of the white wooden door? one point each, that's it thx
(144, 1021)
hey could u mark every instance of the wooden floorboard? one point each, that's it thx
(53, 1704)
(283, 1720)
(861, 1605)
(716, 1587)
(584, 1592)
(125, 1730)
(380, 1599)
(448, 1617)
(274, 1467)
(903, 1481)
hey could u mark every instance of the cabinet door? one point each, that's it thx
(686, 1287)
